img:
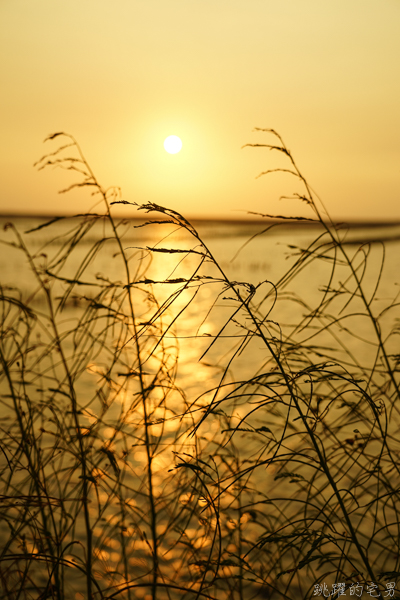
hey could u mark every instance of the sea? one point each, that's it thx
(257, 257)
(259, 253)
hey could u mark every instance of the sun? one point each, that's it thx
(173, 144)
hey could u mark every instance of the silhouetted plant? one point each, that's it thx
(120, 478)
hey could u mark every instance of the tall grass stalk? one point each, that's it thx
(122, 478)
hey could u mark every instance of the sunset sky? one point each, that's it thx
(122, 76)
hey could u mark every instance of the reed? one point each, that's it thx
(123, 478)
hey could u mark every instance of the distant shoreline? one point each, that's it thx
(220, 220)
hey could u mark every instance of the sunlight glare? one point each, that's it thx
(172, 144)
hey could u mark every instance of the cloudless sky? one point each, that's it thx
(121, 76)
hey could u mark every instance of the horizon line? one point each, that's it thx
(304, 221)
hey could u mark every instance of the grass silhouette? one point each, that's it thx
(119, 482)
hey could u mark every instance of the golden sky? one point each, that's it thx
(122, 75)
